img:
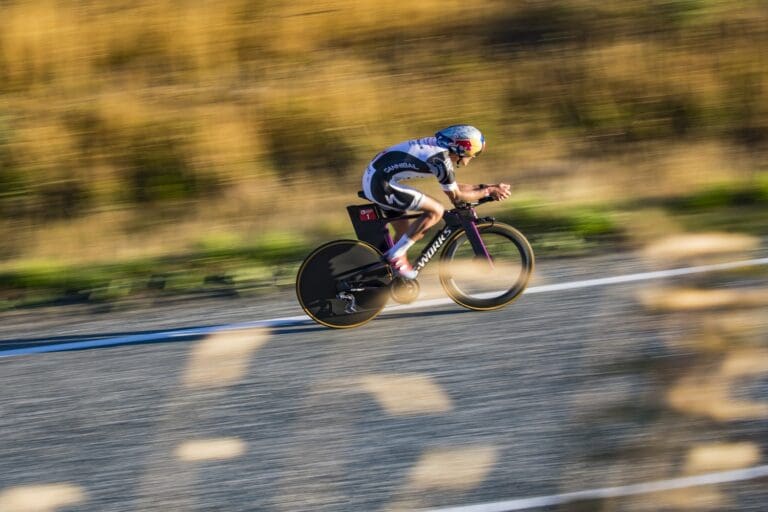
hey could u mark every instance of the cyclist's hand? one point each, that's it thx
(499, 191)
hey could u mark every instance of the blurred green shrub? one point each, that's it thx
(630, 119)
(145, 51)
(60, 199)
(725, 195)
(27, 193)
(53, 276)
(746, 108)
(582, 223)
(539, 24)
(12, 184)
(157, 167)
(91, 131)
(270, 248)
(672, 14)
(301, 141)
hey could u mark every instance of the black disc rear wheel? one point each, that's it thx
(343, 284)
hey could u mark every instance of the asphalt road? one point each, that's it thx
(423, 408)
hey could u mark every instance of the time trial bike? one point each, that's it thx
(484, 265)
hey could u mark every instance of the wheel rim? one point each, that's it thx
(318, 278)
(472, 278)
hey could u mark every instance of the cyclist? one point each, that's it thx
(419, 158)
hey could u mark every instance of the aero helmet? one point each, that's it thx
(461, 139)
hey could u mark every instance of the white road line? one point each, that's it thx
(646, 276)
(613, 492)
(605, 281)
(291, 321)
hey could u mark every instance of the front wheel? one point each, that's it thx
(490, 279)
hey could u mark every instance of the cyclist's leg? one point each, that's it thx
(393, 198)
(400, 227)
(411, 199)
(398, 197)
(432, 212)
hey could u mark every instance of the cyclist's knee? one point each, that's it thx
(437, 213)
(431, 216)
(432, 209)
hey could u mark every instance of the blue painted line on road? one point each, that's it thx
(135, 339)
(132, 339)
(292, 321)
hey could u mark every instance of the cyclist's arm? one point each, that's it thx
(473, 193)
(441, 166)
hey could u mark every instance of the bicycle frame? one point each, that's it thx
(370, 225)
(346, 283)
(455, 219)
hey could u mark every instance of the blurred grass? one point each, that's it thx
(152, 131)
(221, 264)
(228, 263)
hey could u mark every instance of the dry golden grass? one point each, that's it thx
(219, 76)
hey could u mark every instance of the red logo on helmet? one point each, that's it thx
(464, 146)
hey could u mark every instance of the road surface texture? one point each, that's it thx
(423, 408)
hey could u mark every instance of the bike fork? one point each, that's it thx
(477, 242)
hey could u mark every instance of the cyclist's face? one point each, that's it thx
(461, 160)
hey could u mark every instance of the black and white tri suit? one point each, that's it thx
(417, 158)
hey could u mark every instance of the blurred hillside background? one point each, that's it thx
(183, 143)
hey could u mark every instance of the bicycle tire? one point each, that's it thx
(513, 253)
(339, 266)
